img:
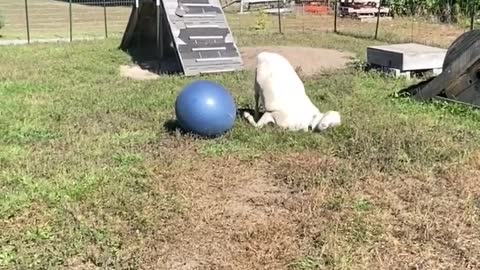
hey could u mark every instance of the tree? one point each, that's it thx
(445, 10)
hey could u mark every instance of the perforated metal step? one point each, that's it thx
(202, 36)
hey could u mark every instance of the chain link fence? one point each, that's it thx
(81, 19)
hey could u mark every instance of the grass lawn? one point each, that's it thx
(90, 176)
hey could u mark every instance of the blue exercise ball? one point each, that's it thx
(205, 108)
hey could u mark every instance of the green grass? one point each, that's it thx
(81, 147)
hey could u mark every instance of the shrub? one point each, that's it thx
(260, 23)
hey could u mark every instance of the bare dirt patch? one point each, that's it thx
(137, 73)
(309, 60)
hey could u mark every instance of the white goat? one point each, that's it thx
(282, 94)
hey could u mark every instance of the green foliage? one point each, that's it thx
(260, 22)
(445, 10)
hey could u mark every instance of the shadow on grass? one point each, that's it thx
(412, 90)
(387, 40)
(173, 127)
(439, 101)
(146, 59)
(355, 35)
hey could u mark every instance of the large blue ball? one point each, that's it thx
(205, 108)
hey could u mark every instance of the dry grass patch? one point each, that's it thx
(403, 221)
(259, 215)
(237, 218)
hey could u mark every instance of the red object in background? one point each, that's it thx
(317, 9)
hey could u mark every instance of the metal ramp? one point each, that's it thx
(194, 33)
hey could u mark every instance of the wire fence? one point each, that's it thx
(63, 19)
(396, 25)
(79, 19)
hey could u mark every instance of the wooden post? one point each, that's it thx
(335, 17)
(279, 17)
(303, 17)
(378, 18)
(105, 17)
(70, 19)
(472, 14)
(136, 33)
(159, 30)
(27, 21)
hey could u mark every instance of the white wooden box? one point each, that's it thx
(406, 57)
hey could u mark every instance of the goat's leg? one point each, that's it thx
(257, 106)
(257, 97)
(264, 120)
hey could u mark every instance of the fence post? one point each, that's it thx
(303, 17)
(378, 18)
(136, 33)
(335, 17)
(70, 19)
(159, 30)
(279, 17)
(472, 14)
(105, 17)
(27, 21)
